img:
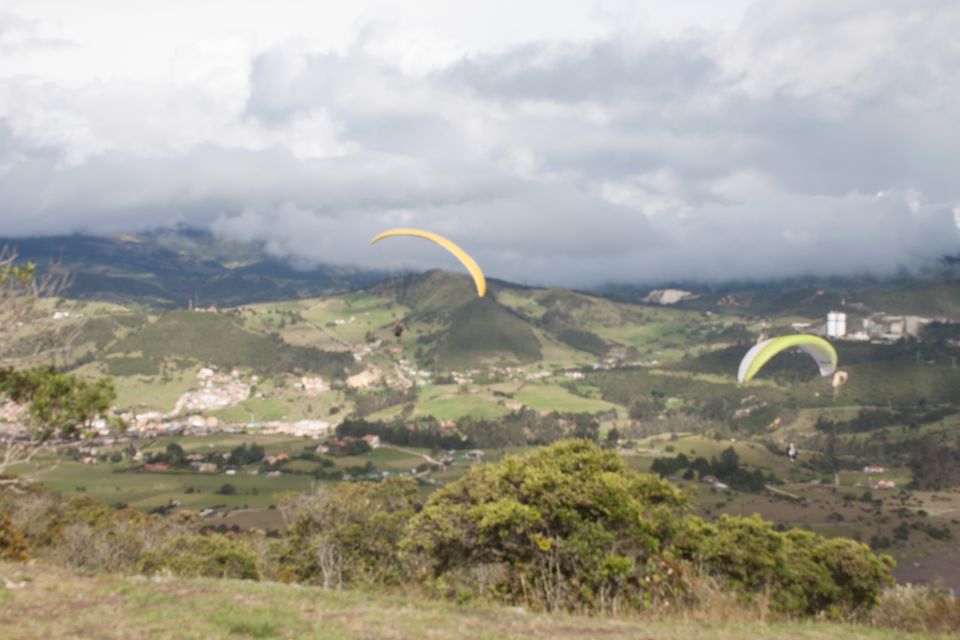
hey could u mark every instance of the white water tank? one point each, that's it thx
(836, 324)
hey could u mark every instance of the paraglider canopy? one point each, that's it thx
(461, 255)
(816, 347)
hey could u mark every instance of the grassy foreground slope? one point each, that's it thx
(40, 601)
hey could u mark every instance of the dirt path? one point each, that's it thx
(781, 492)
(411, 453)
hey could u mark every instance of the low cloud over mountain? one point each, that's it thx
(805, 139)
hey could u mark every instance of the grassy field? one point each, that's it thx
(148, 393)
(450, 402)
(446, 402)
(114, 483)
(694, 446)
(553, 397)
(351, 316)
(144, 490)
(50, 602)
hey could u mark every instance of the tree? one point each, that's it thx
(348, 534)
(613, 437)
(568, 527)
(22, 286)
(60, 405)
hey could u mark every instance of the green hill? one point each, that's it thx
(433, 296)
(168, 269)
(484, 331)
(458, 329)
(207, 338)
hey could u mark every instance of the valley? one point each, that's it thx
(501, 375)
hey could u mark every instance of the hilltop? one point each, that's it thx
(45, 602)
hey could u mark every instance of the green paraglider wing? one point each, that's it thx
(815, 346)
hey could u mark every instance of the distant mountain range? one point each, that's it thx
(170, 269)
(178, 268)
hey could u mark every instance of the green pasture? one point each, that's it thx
(120, 483)
(222, 441)
(694, 446)
(113, 483)
(900, 475)
(448, 402)
(263, 409)
(545, 396)
(369, 313)
(386, 458)
(154, 393)
(555, 353)
(521, 302)
(806, 418)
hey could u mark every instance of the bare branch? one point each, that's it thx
(26, 338)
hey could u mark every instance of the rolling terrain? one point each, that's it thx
(170, 269)
(515, 369)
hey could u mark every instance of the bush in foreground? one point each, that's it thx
(567, 527)
(570, 527)
(348, 534)
(12, 544)
(198, 555)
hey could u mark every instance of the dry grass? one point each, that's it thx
(41, 601)
(918, 608)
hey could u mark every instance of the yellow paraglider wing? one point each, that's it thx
(461, 255)
(815, 346)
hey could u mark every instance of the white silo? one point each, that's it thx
(836, 324)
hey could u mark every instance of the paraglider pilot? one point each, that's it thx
(792, 452)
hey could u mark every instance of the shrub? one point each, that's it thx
(12, 544)
(114, 548)
(348, 534)
(802, 573)
(570, 526)
(227, 490)
(917, 608)
(198, 555)
(35, 512)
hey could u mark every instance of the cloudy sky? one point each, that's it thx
(559, 141)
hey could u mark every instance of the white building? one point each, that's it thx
(836, 324)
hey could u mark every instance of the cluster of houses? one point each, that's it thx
(337, 444)
(876, 326)
(879, 484)
(216, 391)
(315, 429)
(200, 463)
(312, 385)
